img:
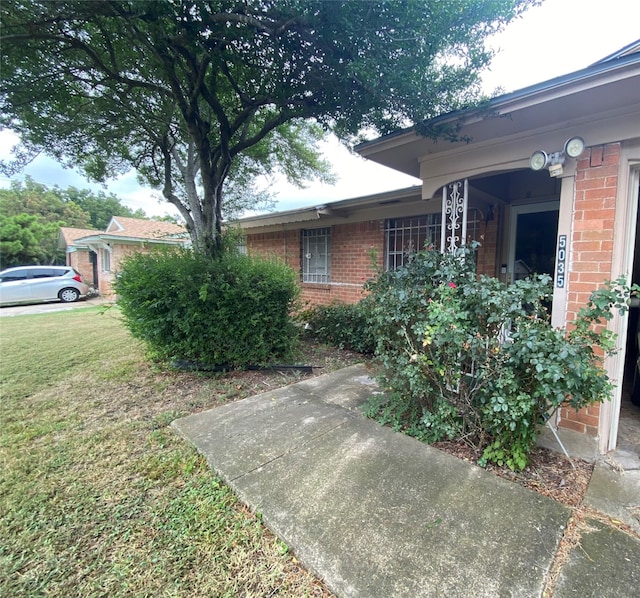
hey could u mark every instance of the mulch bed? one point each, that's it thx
(548, 473)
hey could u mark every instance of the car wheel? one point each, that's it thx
(68, 295)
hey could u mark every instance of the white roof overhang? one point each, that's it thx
(369, 207)
(600, 103)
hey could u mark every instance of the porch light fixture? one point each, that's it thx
(539, 160)
(574, 147)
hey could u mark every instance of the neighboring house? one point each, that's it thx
(515, 187)
(97, 254)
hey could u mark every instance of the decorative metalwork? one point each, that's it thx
(454, 215)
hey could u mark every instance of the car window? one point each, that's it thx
(44, 272)
(14, 275)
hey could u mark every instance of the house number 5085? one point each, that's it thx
(561, 261)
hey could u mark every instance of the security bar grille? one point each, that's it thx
(316, 255)
(405, 236)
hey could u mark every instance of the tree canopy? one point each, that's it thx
(189, 91)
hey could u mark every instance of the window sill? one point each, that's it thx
(316, 285)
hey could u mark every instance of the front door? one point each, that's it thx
(533, 238)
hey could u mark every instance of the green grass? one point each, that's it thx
(98, 496)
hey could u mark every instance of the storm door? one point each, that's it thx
(533, 238)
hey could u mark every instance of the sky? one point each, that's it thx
(556, 38)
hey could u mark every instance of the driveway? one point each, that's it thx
(41, 308)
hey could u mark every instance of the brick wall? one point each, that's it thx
(118, 253)
(591, 248)
(80, 261)
(284, 245)
(352, 245)
(489, 246)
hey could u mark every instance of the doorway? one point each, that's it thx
(533, 237)
(629, 422)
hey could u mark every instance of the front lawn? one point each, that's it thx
(98, 495)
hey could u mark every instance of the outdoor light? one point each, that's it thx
(539, 160)
(574, 147)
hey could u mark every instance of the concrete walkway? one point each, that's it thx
(378, 514)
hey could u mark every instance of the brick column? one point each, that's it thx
(591, 248)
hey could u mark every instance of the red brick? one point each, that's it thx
(583, 418)
(588, 224)
(601, 193)
(611, 169)
(571, 425)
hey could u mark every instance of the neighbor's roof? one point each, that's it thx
(70, 234)
(143, 229)
(121, 229)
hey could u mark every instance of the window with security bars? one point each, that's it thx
(405, 236)
(316, 255)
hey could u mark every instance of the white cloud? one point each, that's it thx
(356, 177)
(559, 37)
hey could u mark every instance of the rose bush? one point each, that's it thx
(466, 357)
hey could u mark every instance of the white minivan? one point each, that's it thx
(33, 284)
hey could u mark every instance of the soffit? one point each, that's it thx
(579, 101)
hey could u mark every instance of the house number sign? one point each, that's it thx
(561, 261)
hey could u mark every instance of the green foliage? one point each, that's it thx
(31, 215)
(183, 91)
(26, 240)
(343, 325)
(99, 206)
(230, 311)
(481, 361)
(49, 205)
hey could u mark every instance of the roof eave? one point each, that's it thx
(315, 213)
(531, 93)
(123, 239)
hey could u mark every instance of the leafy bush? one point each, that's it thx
(466, 357)
(343, 325)
(230, 311)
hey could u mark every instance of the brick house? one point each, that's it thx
(547, 180)
(97, 254)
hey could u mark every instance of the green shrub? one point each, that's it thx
(343, 325)
(465, 356)
(230, 311)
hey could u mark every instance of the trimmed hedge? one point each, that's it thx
(232, 311)
(343, 325)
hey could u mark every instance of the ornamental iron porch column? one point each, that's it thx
(453, 231)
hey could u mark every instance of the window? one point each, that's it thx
(46, 273)
(316, 255)
(106, 260)
(404, 236)
(15, 275)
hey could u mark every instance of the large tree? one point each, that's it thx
(185, 90)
